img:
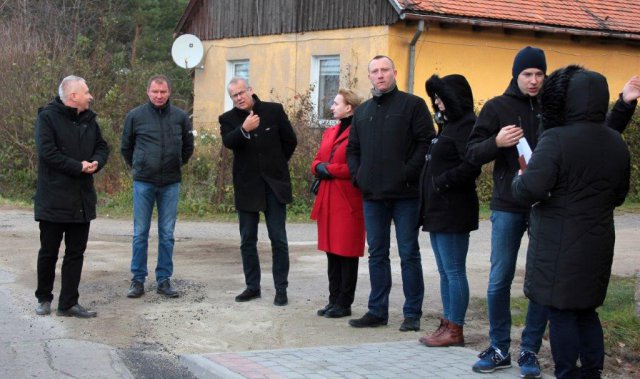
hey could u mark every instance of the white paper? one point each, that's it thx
(524, 153)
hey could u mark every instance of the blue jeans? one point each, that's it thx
(450, 250)
(145, 195)
(377, 217)
(275, 216)
(507, 229)
(576, 334)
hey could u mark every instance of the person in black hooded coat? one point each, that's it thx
(578, 173)
(448, 201)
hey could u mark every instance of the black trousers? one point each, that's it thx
(576, 335)
(343, 278)
(275, 217)
(75, 240)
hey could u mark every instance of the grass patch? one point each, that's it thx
(618, 317)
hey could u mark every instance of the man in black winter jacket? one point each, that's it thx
(157, 140)
(388, 141)
(70, 150)
(503, 122)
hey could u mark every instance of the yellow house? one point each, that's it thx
(285, 46)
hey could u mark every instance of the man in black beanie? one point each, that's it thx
(503, 122)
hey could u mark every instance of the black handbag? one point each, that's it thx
(315, 186)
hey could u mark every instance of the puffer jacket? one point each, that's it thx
(64, 139)
(577, 175)
(448, 199)
(156, 142)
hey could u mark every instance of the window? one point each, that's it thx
(325, 76)
(238, 68)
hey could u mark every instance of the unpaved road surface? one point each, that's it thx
(208, 274)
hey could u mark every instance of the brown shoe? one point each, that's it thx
(440, 330)
(451, 336)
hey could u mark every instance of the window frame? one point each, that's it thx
(231, 72)
(316, 62)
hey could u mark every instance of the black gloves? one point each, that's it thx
(322, 172)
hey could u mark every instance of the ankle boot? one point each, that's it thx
(451, 336)
(443, 326)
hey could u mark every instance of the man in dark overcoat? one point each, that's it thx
(262, 140)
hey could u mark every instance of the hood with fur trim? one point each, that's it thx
(573, 94)
(455, 93)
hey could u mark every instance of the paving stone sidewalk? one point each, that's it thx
(371, 361)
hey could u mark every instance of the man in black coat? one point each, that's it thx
(157, 140)
(262, 140)
(388, 141)
(576, 176)
(70, 150)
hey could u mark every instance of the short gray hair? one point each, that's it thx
(65, 84)
(237, 79)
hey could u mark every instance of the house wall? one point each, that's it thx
(485, 57)
(280, 65)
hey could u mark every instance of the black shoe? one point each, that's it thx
(323, 311)
(367, 321)
(337, 312)
(281, 298)
(247, 295)
(43, 308)
(165, 288)
(136, 289)
(410, 323)
(77, 311)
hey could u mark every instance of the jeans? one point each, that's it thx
(75, 240)
(576, 334)
(145, 195)
(275, 216)
(377, 217)
(450, 250)
(507, 229)
(343, 278)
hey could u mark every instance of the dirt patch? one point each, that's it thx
(208, 274)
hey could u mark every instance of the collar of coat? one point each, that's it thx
(56, 105)
(256, 107)
(381, 97)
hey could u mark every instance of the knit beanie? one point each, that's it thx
(529, 57)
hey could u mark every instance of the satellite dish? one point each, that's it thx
(187, 51)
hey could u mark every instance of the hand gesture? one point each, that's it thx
(251, 122)
(631, 90)
(509, 136)
(89, 167)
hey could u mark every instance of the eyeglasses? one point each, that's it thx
(239, 93)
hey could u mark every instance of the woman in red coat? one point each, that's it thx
(338, 209)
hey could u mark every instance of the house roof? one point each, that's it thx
(594, 18)
(610, 18)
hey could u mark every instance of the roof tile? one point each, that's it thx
(610, 15)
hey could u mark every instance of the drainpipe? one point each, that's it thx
(412, 56)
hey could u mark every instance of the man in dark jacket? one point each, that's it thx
(262, 140)
(157, 140)
(70, 150)
(502, 123)
(576, 176)
(388, 141)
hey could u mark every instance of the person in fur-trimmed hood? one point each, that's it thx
(576, 177)
(448, 201)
